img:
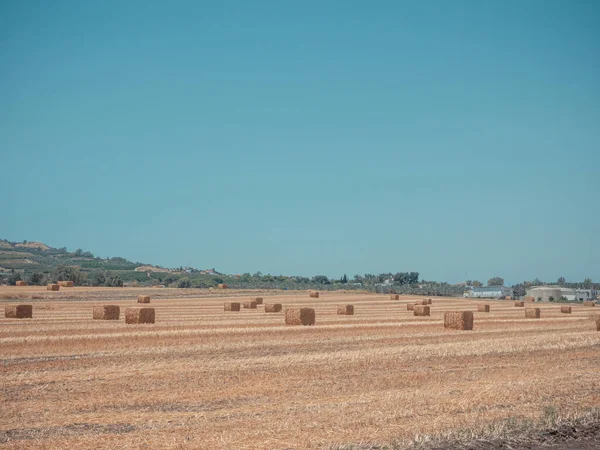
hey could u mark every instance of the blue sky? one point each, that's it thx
(457, 139)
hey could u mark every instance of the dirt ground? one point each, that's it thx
(201, 377)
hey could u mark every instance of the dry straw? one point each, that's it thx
(587, 303)
(597, 318)
(106, 312)
(483, 308)
(53, 287)
(529, 299)
(421, 310)
(143, 299)
(394, 297)
(459, 320)
(519, 304)
(21, 283)
(250, 305)
(314, 294)
(345, 310)
(222, 286)
(429, 301)
(258, 300)
(231, 306)
(422, 302)
(532, 313)
(565, 309)
(273, 307)
(66, 283)
(300, 316)
(18, 311)
(410, 307)
(139, 315)
(508, 297)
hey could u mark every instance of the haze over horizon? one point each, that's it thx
(459, 140)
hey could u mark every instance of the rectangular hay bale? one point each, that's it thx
(421, 310)
(222, 286)
(53, 287)
(21, 283)
(565, 309)
(597, 318)
(250, 305)
(106, 312)
(589, 303)
(519, 304)
(429, 301)
(300, 316)
(483, 308)
(421, 302)
(18, 311)
(345, 310)
(529, 299)
(231, 306)
(394, 297)
(143, 299)
(314, 294)
(273, 307)
(459, 320)
(66, 283)
(410, 307)
(532, 313)
(258, 300)
(139, 315)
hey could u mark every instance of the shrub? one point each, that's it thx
(184, 283)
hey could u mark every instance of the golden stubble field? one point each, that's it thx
(204, 378)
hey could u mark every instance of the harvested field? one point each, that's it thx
(201, 378)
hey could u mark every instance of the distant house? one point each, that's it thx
(488, 292)
(547, 293)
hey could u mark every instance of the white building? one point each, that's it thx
(547, 293)
(488, 292)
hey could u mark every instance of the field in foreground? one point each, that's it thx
(204, 378)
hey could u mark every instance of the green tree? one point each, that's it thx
(99, 279)
(36, 279)
(320, 279)
(114, 281)
(184, 282)
(587, 283)
(13, 278)
(68, 273)
(344, 279)
(496, 281)
(477, 283)
(561, 281)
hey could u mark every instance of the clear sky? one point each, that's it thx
(308, 137)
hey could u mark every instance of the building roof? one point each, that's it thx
(487, 288)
